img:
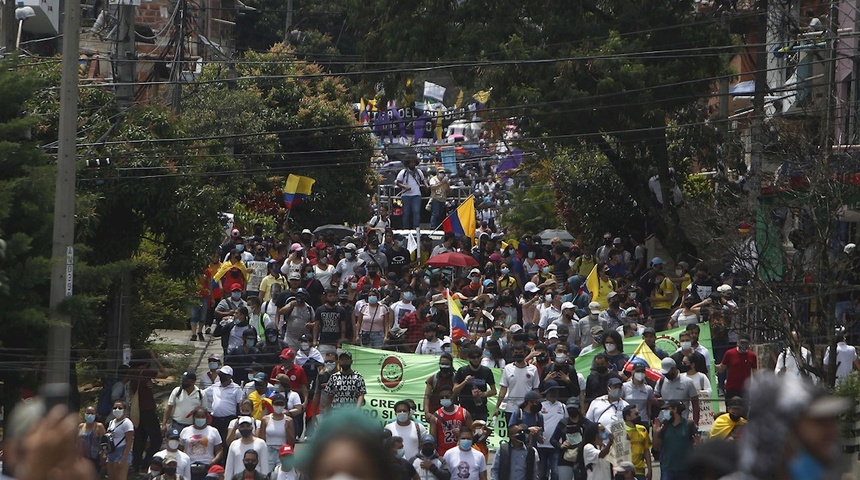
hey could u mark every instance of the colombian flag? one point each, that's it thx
(297, 189)
(647, 357)
(591, 286)
(458, 326)
(462, 221)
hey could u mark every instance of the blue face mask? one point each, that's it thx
(240, 248)
(372, 299)
(309, 275)
(407, 296)
(236, 296)
(665, 415)
(466, 444)
(532, 254)
(90, 417)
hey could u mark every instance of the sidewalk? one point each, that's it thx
(202, 350)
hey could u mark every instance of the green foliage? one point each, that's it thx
(162, 301)
(698, 188)
(530, 210)
(244, 218)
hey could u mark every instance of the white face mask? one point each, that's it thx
(686, 345)
(548, 298)
(560, 357)
(610, 347)
(305, 346)
(279, 409)
(118, 412)
(173, 444)
(639, 376)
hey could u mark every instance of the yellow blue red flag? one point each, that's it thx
(645, 356)
(297, 189)
(455, 316)
(462, 221)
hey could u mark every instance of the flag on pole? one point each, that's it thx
(591, 286)
(455, 318)
(297, 189)
(462, 221)
(645, 356)
(433, 91)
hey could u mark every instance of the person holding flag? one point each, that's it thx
(598, 285)
(462, 221)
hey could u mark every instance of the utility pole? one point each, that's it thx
(62, 242)
(828, 129)
(7, 24)
(289, 22)
(126, 54)
(176, 73)
(757, 124)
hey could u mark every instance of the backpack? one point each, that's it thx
(104, 404)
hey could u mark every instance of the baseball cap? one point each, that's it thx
(245, 419)
(567, 305)
(279, 398)
(349, 246)
(666, 365)
(226, 370)
(657, 261)
(531, 396)
(173, 433)
(294, 276)
(215, 470)
(288, 353)
(573, 402)
(214, 357)
(236, 286)
(296, 247)
(307, 231)
(515, 328)
(552, 335)
(475, 271)
(638, 367)
(596, 329)
(551, 385)
(189, 375)
(169, 459)
(614, 381)
(617, 240)
(594, 307)
(611, 295)
(632, 311)
(286, 449)
(530, 287)
(302, 291)
(649, 330)
(261, 377)
(679, 405)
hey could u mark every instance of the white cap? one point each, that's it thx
(530, 287)
(245, 419)
(349, 246)
(475, 271)
(566, 305)
(551, 335)
(594, 307)
(666, 365)
(850, 248)
(307, 231)
(226, 370)
(515, 328)
(724, 288)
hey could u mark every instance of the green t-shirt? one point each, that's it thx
(677, 445)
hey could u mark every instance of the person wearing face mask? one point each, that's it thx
(406, 429)
(464, 461)
(428, 463)
(439, 381)
(587, 324)
(323, 269)
(544, 274)
(730, 424)
(478, 320)
(614, 316)
(239, 456)
(613, 346)
(276, 429)
(201, 441)
(211, 375)
(690, 312)
(251, 461)
(346, 266)
(568, 439)
(518, 378)
(553, 412)
(295, 262)
(329, 323)
(549, 311)
(231, 328)
(223, 399)
(269, 349)
(676, 387)
(232, 271)
(637, 392)
(346, 387)
(640, 442)
(181, 402)
(597, 382)
(516, 460)
(431, 344)
(328, 367)
(474, 384)
(243, 356)
(298, 317)
(674, 438)
(228, 306)
(155, 466)
(607, 409)
(447, 420)
(183, 461)
(90, 433)
(170, 469)
(273, 277)
(286, 464)
(121, 430)
(373, 258)
(740, 363)
(530, 266)
(308, 357)
(374, 322)
(563, 372)
(404, 306)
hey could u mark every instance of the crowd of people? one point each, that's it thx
(284, 367)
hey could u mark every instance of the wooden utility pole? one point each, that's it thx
(289, 22)
(757, 124)
(176, 72)
(126, 54)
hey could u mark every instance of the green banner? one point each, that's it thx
(393, 376)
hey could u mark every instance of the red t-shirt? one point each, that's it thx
(448, 433)
(740, 367)
(297, 376)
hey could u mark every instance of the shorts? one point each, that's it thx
(116, 456)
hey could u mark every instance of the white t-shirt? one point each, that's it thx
(845, 357)
(277, 474)
(467, 465)
(413, 180)
(236, 453)
(324, 275)
(702, 382)
(787, 360)
(429, 348)
(553, 413)
(183, 461)
(399, 310)
(410, 434)
(601, 469)
(605, 412)
(200, 444)
(425, 473)
(518, 382)
(119, 430)
(548, 314)
(183, 403)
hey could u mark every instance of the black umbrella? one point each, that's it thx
(339, 232)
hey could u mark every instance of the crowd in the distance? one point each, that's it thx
(284, 311)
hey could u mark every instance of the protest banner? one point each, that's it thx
(620, 451)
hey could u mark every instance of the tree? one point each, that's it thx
(606, 76)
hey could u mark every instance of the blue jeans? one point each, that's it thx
(371, 339)
(437, 213)
(411, 212)
(548, 463)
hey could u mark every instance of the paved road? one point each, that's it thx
(201, 349)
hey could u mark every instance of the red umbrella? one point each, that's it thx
(452, 259)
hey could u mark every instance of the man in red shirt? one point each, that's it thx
(445, 423)
(740, 362)
(298, 382)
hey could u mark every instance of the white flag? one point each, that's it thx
(411, 242)
(433, 91)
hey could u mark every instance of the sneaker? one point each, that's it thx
(208, 330)
(200, 337)
(193, 337)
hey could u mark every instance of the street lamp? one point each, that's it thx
(22, 13)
